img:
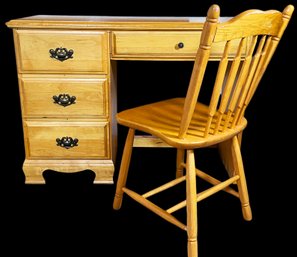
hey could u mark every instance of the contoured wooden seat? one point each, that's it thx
(162, 119)
(188, 124)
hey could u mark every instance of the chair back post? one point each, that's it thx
(199, 67)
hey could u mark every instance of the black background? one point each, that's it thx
(70, 215)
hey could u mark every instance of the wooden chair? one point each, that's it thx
(249, 41)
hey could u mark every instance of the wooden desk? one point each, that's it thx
(67, 83)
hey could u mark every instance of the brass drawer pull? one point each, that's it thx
(64, 99)
(67, 142)
(61, 53)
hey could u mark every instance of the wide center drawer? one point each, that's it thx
(67, 140)
(61, 51)
(161, 44)
(67, 96)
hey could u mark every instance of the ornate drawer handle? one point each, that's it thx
(67, 142)
(61, 53)
(64, 99)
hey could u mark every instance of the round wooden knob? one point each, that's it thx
(180, 45)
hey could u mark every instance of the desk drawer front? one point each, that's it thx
(165, 44)
(62, 51)
(88, 140)
(60, 96)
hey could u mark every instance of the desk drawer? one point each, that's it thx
(89, 140)
(61, 51)
(154, 45)
(67, 96)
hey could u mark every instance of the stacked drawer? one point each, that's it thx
(64, 89)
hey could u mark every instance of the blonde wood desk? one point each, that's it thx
(67, 83)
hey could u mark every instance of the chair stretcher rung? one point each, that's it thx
(206, 193)
(164, 187)
(210, 191)
(214, 181)
(154, 208)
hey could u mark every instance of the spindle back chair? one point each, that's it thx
(249, 41)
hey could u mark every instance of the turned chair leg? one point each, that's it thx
(180, 158)
(192, 224)
(241, 183)
(123, 173)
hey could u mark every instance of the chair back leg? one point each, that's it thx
(180, 159)
(241, 183)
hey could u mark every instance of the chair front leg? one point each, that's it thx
(123, 173)
(192, 223)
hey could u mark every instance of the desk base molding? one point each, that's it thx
(103, 169)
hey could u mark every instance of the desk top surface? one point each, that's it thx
(109, 22)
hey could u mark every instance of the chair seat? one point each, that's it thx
(162, 119)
